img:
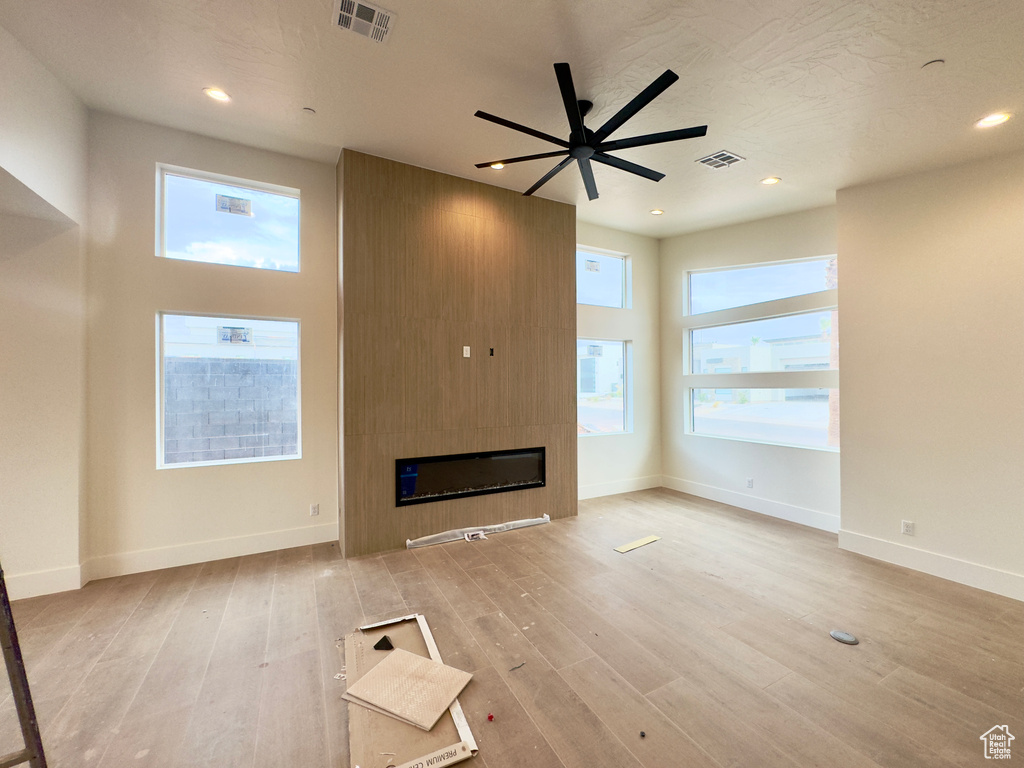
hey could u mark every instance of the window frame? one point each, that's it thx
(687, 287)
(627, 275)
(161, 382)
(627, 385)
(826, 300)
(165, 169)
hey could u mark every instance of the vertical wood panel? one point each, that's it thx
(477, 391)
(425, 373)
(432, 263)
(423, 278)
(373, 373)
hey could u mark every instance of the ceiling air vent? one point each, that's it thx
(721, 159)
(368, 20)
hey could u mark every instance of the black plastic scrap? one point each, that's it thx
(517, 666)
(384, 644)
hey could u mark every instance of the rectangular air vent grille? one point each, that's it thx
(365, 18)
(721, 159)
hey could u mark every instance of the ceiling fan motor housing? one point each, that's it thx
(584, 144)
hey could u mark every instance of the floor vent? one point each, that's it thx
(368, 20)
(721, 159)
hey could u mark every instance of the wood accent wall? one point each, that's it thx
(430, 264)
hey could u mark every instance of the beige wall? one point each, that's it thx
(619, 463)
(433, 263)
(932, 299)
(41, 390)
(42, 131)
(42, 209)
(796, 484)
(142, 517)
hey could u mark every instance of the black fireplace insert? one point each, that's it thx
(433, 478)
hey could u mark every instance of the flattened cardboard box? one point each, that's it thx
(378, 740)
(409, 687)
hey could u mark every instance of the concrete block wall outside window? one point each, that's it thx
(219, 409)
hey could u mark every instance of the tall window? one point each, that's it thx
(214, 219)
(601, 387)
(601, 280)
(763, 353)
(229, 390)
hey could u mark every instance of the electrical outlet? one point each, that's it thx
(314, 510)
(465, 351)
(750, 482)
(907, 528)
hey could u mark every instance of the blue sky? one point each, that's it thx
(603, 287)
(195, 230)
(723, 289)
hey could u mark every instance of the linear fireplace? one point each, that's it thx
(433, 478)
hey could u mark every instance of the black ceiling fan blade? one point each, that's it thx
(521, 128)
(572, 105)
(641, 100)
(653, 138)
(548, 176)
(524, 158)
(587, 172)
(625, 165)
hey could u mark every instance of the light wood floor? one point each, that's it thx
(713, 641)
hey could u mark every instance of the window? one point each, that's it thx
(229, 390)
(784, 416)
(601, 387)
(227, 221)
(764, 367)
(801, 342)
(727, 288)
(601, 280)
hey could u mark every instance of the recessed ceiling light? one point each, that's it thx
(997, 118)
(657, 212)
(497, 166)
(217, 94)
(771, 180)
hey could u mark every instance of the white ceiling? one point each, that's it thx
(823, 93)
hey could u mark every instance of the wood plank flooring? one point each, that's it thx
(713, 641)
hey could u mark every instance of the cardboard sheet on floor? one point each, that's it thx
(635, 544)
(410, 688)
(378, 740)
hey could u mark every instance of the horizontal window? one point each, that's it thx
(800, 417)
(794, 343)
(600, 280)
(738, 286)
(230, 390)
(600, 386)
(204, 219)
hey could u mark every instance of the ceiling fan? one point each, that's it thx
(584, 144)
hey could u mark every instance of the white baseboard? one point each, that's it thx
(22, 585)
(945, 567)
(141, 560)
(618, 486)
(809, 517)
